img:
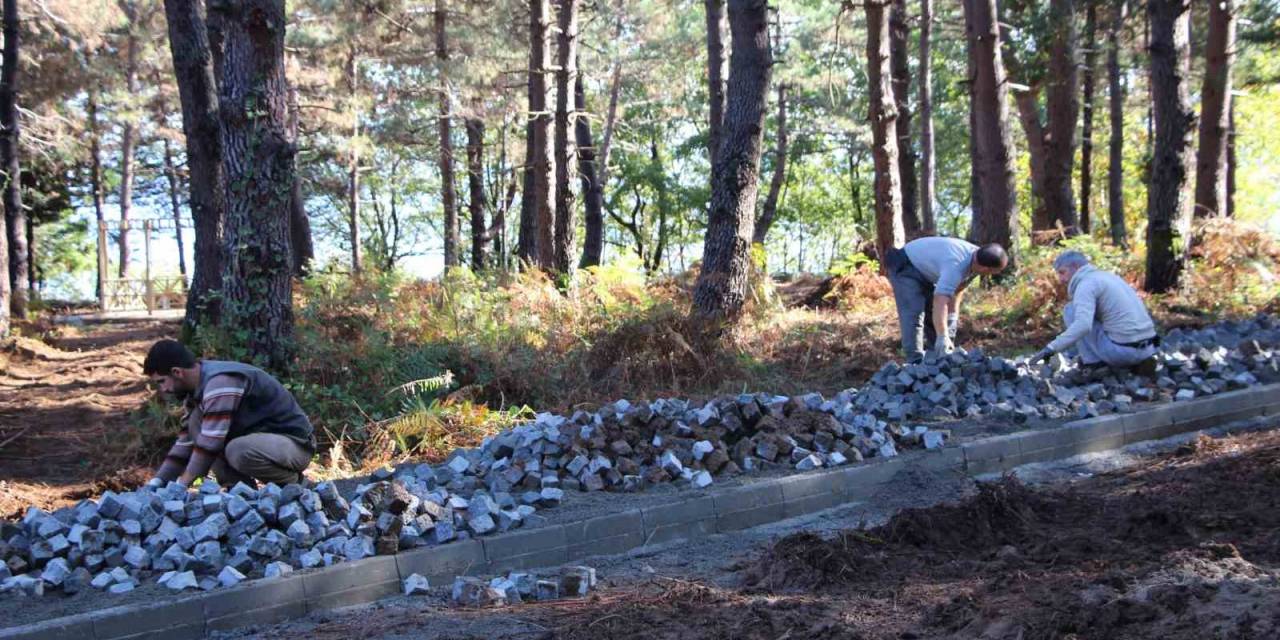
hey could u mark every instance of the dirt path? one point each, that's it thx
(64, 411)
(1171, 546)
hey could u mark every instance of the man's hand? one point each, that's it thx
(943, 345)
(1042, 355)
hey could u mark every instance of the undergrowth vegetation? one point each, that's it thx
(390, 367)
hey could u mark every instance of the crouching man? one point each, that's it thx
(1106, 320)
(241, 423)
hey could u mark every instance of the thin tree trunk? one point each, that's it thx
(1215, 110)
(259, 156)
(527, 243)
(478, 202)
(1231, 161)
(171, 174)
(540, 152)
(899, 34)
(770, 210)
(566, 117)
(95, 180)
(1169, 200)
(1086, 128)
(884, 120)
(928, 162)
(16, 272)
(448, 195)
(353, 164)
(716, 28)
(592, 188)
(300, 241)
(1028, 105)
(1115, 99)
(721, 288)
(128, 135)
(193, 56)
(995, 212)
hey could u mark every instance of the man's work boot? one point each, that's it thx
(1146, 368)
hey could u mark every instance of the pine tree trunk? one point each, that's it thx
(995, 212)
(1086, 127)
(566, 117)
(259, 160)
(478, 201)
(899, 33)
(448, 194)
(1115, 100)
(770, 210)
(1169, 198)
(592, 189)
(353, 165)
(928, 162)
(883, 115)
(193, 64)
(16, 272)
(171, 175)
(128, 138)
(721, 289)
(716, 28)
(1215, 109)
(1063, 115)
(95, 182)
(1231, 161)
(304, 250)
(527, 243)
(540, 152)
(1028, 105)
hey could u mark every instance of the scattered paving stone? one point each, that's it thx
(230, 577)
(416, 585)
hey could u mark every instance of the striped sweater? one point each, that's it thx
(194, 454)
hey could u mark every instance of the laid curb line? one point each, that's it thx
(269, 601)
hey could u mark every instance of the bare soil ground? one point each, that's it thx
(64, 411)
(1176, 546)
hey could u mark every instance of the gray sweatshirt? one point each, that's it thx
(943, 261)
(1102, 296)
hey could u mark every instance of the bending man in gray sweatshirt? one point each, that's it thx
(1106, 320)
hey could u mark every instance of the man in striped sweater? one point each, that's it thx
(241, 423)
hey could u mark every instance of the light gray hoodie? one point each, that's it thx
(1102, 296)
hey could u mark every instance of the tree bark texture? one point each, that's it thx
(259, 160)
(193, 65)
(1231, 161)
(1063, 115)
(721, 289)
(592, 187)
(994, 203)
(716, 28)
(16, 271)
(128, 135)
(527, 243)
(540, 155)
(565, 136)
(1028, 105)
(884, 147)
(175, 203)
(928, 161)
(448, 193)
(899, 34)
(1169, 199)
(478, 202)
(1215, 109)
(770, 211)
(1115, 101)
(1086, 127)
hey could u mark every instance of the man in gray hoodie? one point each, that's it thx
(1106, 320)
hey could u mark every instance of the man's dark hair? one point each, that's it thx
(993, 255)
(165, 355)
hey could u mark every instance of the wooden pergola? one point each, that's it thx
(149, 292)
